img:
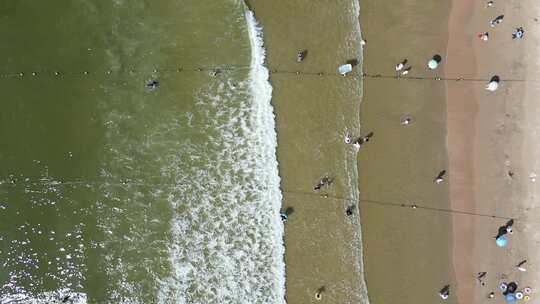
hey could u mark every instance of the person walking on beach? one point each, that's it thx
(440, 177)
(480, 277)
(444, 293)
(496, 21)
(406, 121)
(401, 65)
(520, 266)
(362, 140)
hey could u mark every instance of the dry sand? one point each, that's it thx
(491, 136)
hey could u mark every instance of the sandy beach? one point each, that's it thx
(485, 140)
(417, 235)
(407, 251)
(492, 144)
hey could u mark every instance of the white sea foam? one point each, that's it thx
(227, 231)
(261, 90)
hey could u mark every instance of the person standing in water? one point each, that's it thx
(325, 181)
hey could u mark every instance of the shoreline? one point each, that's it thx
(322, 242)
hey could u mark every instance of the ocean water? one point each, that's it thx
(115, 192)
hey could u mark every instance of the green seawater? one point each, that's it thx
(107, 185)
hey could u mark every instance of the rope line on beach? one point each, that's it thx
(415, 206)
(402, 205)
(218, 69)
(215, 70)
(374, 76)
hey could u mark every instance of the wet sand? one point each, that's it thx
(322, 243)
(407, 251)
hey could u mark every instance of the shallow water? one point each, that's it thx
(113, 192)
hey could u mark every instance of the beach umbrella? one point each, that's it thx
(519, 295)
(501, 241)
(432, 64)
(527, 290)
(510, 298)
